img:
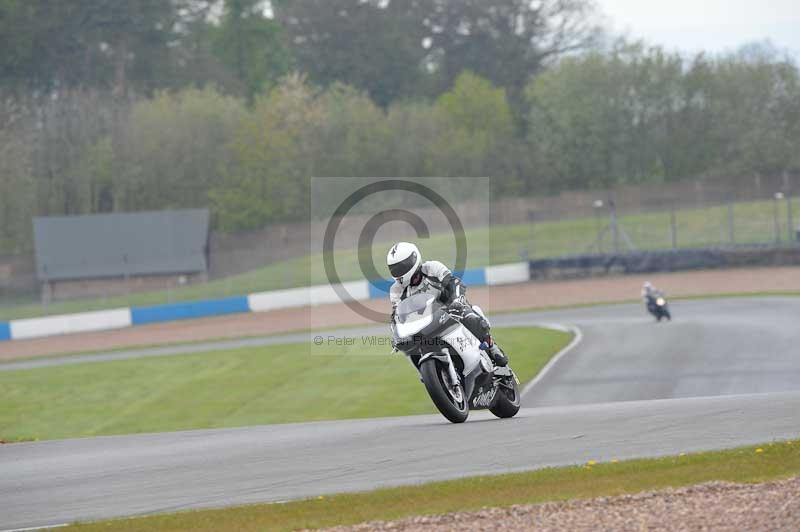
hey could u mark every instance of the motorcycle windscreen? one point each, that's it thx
(414, 314)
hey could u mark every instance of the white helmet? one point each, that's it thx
(403, 260)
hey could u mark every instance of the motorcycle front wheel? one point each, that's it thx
(507, 400)
(448, 397)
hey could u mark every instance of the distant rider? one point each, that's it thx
(649, 295)
(412, 276)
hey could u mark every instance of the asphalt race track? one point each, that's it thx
(725, 373)
(714, 347)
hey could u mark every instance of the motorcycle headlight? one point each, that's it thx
(660, 301)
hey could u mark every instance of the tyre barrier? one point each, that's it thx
(583, 266)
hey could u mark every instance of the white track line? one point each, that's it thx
(576, 339)
(48, 527)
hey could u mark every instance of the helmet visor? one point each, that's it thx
(401, 268)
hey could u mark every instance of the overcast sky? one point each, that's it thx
(713, 25)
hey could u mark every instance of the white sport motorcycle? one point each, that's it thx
(457, 373)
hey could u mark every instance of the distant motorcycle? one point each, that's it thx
(456, 372)
(657, 306)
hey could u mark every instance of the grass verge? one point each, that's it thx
(248, 386)
(747, 464)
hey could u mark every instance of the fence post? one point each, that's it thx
(673, 227)
(776, 207)
(598, 204)
(614, 227)
(789, 218)
(731, 236)
(530, 247)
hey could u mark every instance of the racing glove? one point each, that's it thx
(449, 289)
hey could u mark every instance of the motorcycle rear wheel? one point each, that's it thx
(445, 395)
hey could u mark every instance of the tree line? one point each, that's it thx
(123, 106)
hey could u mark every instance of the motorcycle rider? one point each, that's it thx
(649, 294)
(412, 276)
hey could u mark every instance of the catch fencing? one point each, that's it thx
(607, 228)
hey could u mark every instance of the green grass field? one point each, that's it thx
(272, 384)
(747, 464)
(754, 223)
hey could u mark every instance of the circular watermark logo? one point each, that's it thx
(369, 231)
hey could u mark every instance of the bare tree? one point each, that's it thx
(506, 41)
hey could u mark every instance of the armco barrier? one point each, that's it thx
(474, 277)
(300, 297)
(379, 288)
(562, 268)
(189, 310)
(508, 273)
(260, 302)
(70, 323)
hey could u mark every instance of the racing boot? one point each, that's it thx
(495, 353)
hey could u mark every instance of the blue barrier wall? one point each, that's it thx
(475, 277)
(183, 311)
(380, 288)
(239, 304)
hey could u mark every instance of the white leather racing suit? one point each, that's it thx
(433, 273)
(434, 276)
